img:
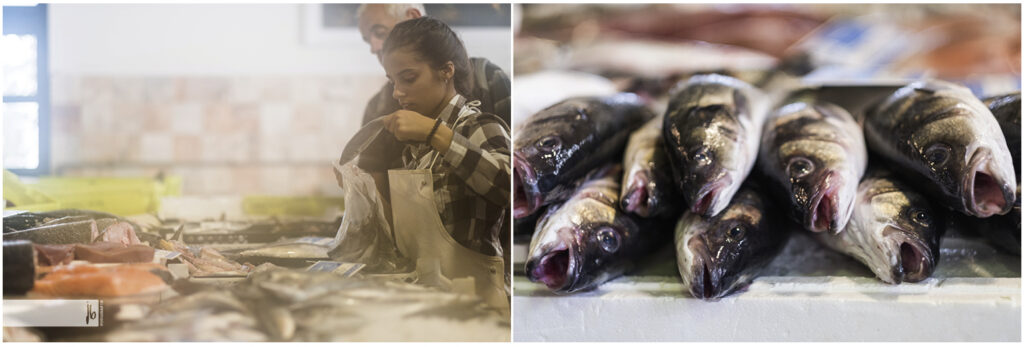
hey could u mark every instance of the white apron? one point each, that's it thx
(420, 234)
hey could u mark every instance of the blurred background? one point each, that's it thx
(225, 99)
(647, 47)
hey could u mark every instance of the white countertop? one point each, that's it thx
(807, 294)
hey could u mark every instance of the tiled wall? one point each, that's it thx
(223, 135)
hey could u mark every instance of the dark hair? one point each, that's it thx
(436, 43)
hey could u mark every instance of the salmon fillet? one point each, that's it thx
(97, 281)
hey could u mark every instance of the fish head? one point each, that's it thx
(719, 255)
(702, 143)
(555, 139)
(647, 185)
(908, 232)
(639, 192)
(554, 261)
(975, 172)
(577, 250)
(820, 168)
(823, 194)
(649, 192)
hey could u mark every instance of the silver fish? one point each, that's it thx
(647, 187)
(74, 232)
(558, 146)
(814, 154)
(297, 286)
(217, 300)
(298, 250)
(948, 144)
(720, 255)
(1004, 231)
(712, 129)
(277, 304)
(588, 240)
(289, 250)
(894, 231)
(291, 254)
(278, 321)
(192, 325)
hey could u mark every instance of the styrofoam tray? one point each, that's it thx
(808, 293)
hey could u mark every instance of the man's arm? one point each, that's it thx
(500, 87)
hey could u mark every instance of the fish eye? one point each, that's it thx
(609, 239)
(921, 217)
(737, 232)
(800, 167)
(701, 156)
(549, 143)
(937, 154)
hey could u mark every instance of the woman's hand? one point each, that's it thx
(411, 126)
(408, 125)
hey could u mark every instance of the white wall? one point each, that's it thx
(201, 39)
(187, 83)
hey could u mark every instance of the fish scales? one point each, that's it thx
(948, 144)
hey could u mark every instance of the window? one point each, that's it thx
(26, 90)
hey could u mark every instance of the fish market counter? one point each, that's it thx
(208, 271)
(808, 293)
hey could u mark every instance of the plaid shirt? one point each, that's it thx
(490, 85)
(471, 179)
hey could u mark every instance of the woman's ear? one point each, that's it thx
(448, 70)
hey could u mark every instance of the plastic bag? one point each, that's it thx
(365, 235)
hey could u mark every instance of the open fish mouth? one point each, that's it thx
(823, 214)
(709, 196)
(526, 199)
(704, 284)
(914, 262)
(555, 268)
(639, 197)
(984, 194)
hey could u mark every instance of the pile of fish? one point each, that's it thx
(204, 260)
(278, 304)
(729, 170)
